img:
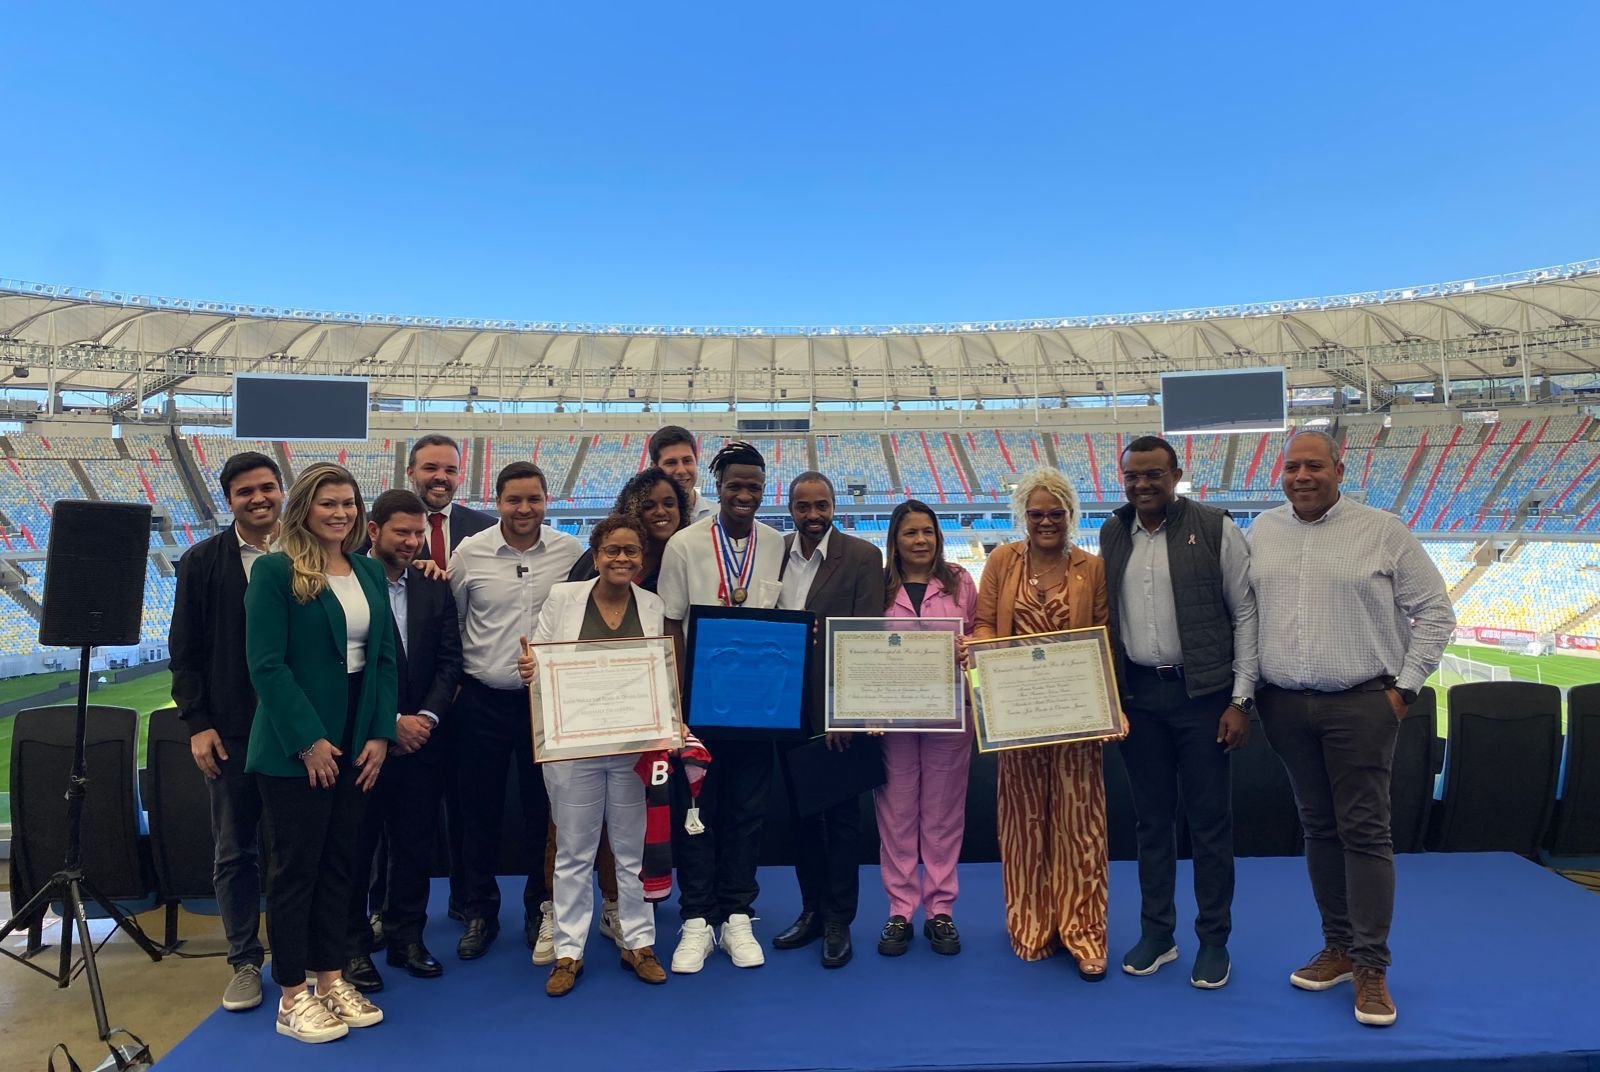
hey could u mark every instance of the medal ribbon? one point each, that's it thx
(731, 562)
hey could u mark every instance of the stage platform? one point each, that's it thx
(1495, 967)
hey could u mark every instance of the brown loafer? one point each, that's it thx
(563, 977)
(643, 963)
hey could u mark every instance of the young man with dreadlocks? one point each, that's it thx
(728, 559)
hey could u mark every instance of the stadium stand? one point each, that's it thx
(857, 458)
(371, 463)
(1536, 586)
(553, 453)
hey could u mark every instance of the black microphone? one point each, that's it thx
(522, 571)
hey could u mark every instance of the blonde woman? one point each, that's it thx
(319, 641)
(1052, 799)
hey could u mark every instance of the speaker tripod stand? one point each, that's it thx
(71, 888)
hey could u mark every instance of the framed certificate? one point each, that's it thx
(748, 671)
(894, 675)
(1047, 688)
(604, 698)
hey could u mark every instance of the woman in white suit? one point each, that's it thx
(588, 793)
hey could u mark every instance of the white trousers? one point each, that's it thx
(584, 795)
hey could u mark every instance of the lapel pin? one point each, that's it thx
(1191, 539)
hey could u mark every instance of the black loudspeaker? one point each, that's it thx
(94, 574)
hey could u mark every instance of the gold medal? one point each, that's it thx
(739, 596)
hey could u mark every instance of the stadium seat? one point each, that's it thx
(1501, 763)
(1418, 757)
(181, 844)
(1265, 819)
(116, 857)
(1575, 829)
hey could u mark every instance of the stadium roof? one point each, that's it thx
(1541, 321)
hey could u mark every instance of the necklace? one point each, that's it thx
(612, 615)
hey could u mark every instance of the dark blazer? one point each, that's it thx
(430, 659)
(296, 654)
(464, 522)
(848, 584)
(210, 682)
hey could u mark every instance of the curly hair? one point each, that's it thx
(631, 499)
(1054, 482)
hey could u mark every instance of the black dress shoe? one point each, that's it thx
(480, 934)
(896, 937)
(942, 936)
(836, 951)
(376, 923)
(416, 960)
(362, 974)
(806, 929)
(455, 913)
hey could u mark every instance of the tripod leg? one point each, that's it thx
(96, 997)
(130, 925)
(64, 976)
(35, 936)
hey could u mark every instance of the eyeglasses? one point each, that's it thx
(1055, 517)
(1152, 475)
(616, 550)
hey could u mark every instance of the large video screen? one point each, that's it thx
(1244, 400)
(299, 407)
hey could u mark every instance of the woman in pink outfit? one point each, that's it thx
(922, 805)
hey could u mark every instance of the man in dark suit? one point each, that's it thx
(405, 804)
(211, 687)
(434, 470)
(833, 576)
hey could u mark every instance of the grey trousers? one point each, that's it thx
(1338, 748)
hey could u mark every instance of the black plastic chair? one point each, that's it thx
(1502, 759)
(116, 856)
(179, 806)
(1418, 758)
(1575, 830)
(1266, 821)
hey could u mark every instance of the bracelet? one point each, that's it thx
(305, 753)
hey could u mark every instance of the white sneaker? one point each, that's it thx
(308, 1020)
(351, 1005)
(739, 942)
(695, 942)
(611, 923)
(544, 950)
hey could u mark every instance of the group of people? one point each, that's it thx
(346, 668)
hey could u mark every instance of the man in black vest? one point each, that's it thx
(1183, 627)
(211, 688)
(404, 806)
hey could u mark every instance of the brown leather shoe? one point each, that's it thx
(1327, 969)
(563, 977)
(1374, 1006)
(643, 963)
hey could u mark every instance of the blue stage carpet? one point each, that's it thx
(1495, 968)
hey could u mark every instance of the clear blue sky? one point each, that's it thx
(792, 164)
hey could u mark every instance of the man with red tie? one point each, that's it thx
(435, 474)
(434, 470)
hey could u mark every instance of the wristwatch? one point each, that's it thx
(1243, 703)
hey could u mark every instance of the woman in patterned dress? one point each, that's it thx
(1052, 799)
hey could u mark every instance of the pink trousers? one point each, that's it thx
(921, 811)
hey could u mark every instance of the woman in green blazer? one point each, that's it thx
(319, 639)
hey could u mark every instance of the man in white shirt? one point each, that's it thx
(1354, 616)
(674, 449)
(729, 560)
(500, 579)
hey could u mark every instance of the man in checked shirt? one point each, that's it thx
(1354, 617)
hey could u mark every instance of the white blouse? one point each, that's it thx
(357, 619)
